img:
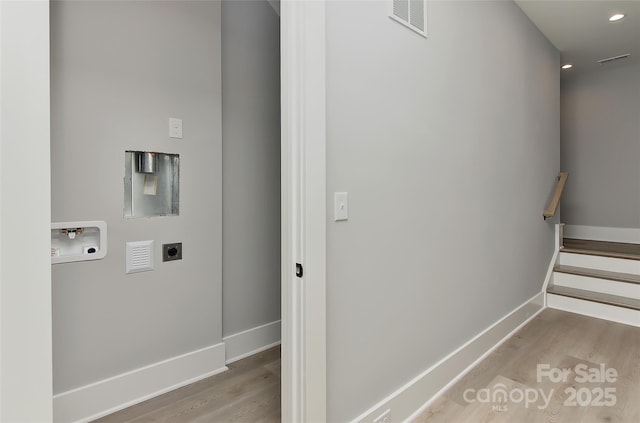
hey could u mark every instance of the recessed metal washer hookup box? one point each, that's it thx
(151, 184)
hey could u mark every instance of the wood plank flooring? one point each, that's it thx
(561, 340)
(248, 392)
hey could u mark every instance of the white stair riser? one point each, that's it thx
(590, 308)
(609, 264)
(604, 286)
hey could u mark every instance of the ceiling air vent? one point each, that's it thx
(411, 13)
(614, 59)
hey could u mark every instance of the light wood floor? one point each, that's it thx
(248, 392)
(561, 340)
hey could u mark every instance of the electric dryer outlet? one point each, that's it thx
(172, 252)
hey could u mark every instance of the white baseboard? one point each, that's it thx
(593, 309)
(601, 233)
(409, 401)
(115, 393)
(252, 341)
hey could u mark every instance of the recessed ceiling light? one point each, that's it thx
(616, 17)
(567, 66)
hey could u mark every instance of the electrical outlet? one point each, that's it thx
(384, 417)
(172, 252)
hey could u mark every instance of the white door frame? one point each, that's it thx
(303, 210)
(25, 217)
(303, 227)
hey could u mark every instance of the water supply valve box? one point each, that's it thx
(78, 241)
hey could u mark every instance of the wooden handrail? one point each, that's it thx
(551, 210)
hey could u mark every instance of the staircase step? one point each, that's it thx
(620, 284)
(600, 274)
(597, 297)
(602, 248)
(623, 315)
(599, 279)
(601, 253)
(592, 260)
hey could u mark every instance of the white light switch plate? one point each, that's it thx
(175, 128)
(341, 206)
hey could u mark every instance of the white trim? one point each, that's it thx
(303, 102)
(25, 213)
(409, 401)
(601, 233)
(554, 258)
(252, 341)
(593, 309)
(107, 396)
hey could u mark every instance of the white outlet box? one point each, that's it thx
(384, 417)
(78, 241)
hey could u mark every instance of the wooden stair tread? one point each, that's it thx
(600, 253)
(596, 273)
(597, 297)
(610, 249)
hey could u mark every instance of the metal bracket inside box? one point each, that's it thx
(78, 241)
(151, 184)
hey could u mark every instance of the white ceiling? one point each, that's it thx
(581, 31)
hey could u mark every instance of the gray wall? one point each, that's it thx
(251, 171)
(449, 148)
(119, 71)
(600, 147)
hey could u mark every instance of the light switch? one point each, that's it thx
(175, 128)
(341, 206)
